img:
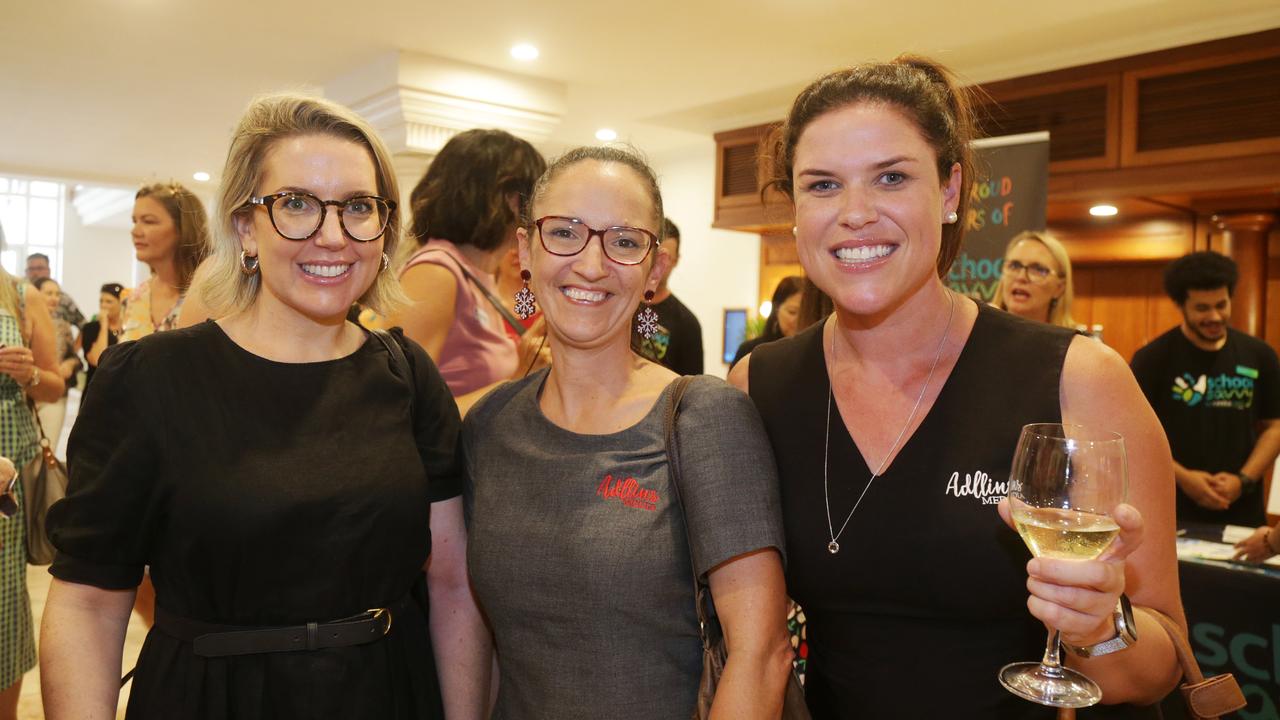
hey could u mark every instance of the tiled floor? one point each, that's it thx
(29, 707)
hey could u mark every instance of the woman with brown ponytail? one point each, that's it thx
(894, 423)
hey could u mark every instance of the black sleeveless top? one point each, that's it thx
(926, 600)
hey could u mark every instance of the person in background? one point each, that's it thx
(28, 369)
(783, 315)
(466, 209)
(311, 473)
(1262, 544)
(594, 615)
(171, 235)
(1217, 393)
(38, 267)
(677, 344)
(104, 330)
(1035, 280)
(884, 451)
(52, 413)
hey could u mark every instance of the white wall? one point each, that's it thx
(93, 256)
(718, 269)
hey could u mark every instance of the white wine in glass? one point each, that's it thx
(1064, 485)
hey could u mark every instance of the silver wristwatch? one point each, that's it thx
(1126, 633)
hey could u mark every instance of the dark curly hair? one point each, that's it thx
(1204, 270)
(462, 197)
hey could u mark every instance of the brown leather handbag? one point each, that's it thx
(1205, 699)
(714, 651)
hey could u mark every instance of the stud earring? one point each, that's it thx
(647, 319)
(386, 262)
(248, 263)
(951, 218)
(526, 303)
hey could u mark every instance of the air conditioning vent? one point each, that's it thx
(1213, 105)
(739, 176)
(1076, 121)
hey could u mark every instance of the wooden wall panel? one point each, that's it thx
(1119, 301)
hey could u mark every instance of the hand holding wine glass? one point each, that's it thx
(1066, 493)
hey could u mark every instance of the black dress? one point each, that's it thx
(88, 336)
(263, 493)
(926, 600)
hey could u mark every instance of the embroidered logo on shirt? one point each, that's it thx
(977, 485)
(628, 492)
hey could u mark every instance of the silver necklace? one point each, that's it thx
(833, 547)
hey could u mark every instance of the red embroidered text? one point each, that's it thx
(628, 492)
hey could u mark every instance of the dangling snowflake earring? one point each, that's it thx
(526, 303)
(647, 319)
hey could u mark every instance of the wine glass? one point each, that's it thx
(1064, 486)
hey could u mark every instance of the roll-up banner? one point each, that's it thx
(1008, 197)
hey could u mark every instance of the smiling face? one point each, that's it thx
(316, 279)
(1025, 288)
(869, 206)
(588, 299)
(155, 235)
(1205, 315)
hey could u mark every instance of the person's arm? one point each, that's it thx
(1202, 487)
(751, 601)
(41, 359)
(433, 291)
(459, 638)
(1256, 466)
(93, 354)
(81, 647)
(1079, 597)
(1262, 544)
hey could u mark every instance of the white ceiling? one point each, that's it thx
(131, 90)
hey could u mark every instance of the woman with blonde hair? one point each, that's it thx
(28, 370)
(171, 235)
(290, 502)
(1035, 280)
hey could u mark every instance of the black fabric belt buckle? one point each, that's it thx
(359, 629)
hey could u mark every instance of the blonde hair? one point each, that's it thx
(269, 119)
(190, 223)
(1059, 308)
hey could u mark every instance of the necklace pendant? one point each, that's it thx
(833, 547)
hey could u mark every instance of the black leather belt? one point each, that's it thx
(213, 640)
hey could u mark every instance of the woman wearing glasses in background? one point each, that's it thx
(577, 550)
(288, 503)
(1035, 282)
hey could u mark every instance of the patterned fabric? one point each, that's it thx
(137, 314)
(68, 311)
(18, 443)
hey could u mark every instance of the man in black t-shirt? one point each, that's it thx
(678, 342)
(1216, 391)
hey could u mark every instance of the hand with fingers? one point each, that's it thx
(1079, 597)
(1199, 486)
(1262, 544)
(18, 363)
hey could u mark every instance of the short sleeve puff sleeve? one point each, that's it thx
(104, 527)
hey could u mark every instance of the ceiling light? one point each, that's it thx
(525, 52)
(1103, 210)
(201, 176)
(606, 135)
(766, 308)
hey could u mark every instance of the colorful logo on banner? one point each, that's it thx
(1009, 198)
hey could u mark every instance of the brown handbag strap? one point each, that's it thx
(1205, 699)
(700, 591)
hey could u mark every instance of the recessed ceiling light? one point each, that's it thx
(606, 135)
(525, 52)
(1103, 210)
(201, 176)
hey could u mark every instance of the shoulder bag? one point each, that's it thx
(1206, 699)
(714, 651)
